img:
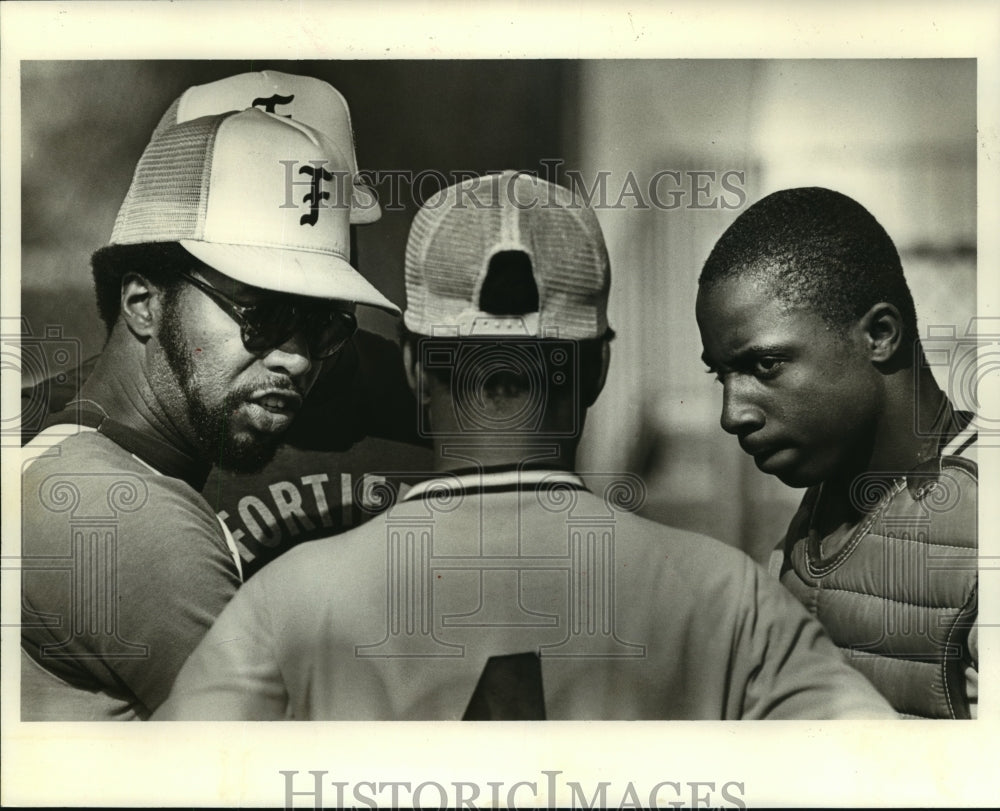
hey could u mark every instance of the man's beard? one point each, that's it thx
(216, 442)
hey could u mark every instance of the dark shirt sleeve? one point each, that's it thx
(123, 604)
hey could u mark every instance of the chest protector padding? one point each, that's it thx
(897, 591)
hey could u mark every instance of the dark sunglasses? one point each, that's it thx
(271, 322)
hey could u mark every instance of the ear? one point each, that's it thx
(140, 305)
(882, 327)
(415, 374)
(598, 387)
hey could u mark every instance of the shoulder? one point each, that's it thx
(317, 587)
(73, 447)
(93, 460)
(691, 554)
(77, 473)
(88, 476)
(654, 532)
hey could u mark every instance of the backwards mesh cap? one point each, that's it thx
(263, 199)
(302, 98)
(460, 230)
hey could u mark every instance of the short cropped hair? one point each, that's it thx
(578, 365)
(157, 262)
(818, 249)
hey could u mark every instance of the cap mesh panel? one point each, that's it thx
(169, 187)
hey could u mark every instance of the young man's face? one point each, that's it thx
(238, 403)
(801, 396)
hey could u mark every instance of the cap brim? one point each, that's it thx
(364, 205)
(301, 273)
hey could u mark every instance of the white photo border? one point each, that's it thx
(909, 763)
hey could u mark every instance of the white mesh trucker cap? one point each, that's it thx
(263, 199)
(302, 98)
(461, 228)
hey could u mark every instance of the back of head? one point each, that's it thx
(507, 280)
(818, 249)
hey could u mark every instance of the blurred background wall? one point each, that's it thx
(708, 137)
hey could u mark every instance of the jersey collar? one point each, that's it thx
(152, 452)
(505, 479)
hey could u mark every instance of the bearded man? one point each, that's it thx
(224, 290)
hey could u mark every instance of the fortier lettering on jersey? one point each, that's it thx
(291, 509)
